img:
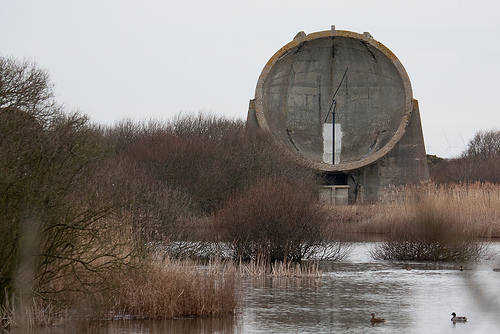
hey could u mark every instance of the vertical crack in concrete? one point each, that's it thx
(333, 48)
(289, 134)
(366, 46)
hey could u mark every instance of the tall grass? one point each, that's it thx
(430, 235)
(161, 289)
(279, 269)
(472, 209)
(148, 287)
(428, 222)
(168, 288)
(31, 313)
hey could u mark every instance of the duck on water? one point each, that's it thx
(458, 319)
(374, 320)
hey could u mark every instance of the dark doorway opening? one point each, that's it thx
(336, 179)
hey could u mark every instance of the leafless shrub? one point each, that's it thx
(54, 220)
(274, 220)
(157, 211)
(430, 235)
(208, 158)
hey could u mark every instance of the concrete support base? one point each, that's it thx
(334, 195)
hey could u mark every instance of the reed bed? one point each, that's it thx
(36, 313)
(177, 288)
(159, 289)
(473, 209)
(289, 269)
(279, 269)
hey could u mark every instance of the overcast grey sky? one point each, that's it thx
(115, 59)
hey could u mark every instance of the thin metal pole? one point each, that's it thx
(332, 110)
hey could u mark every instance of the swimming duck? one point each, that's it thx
(458, 319)
(374, 320)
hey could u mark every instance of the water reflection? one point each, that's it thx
(412, 297)
(341, 301)
(225, 325)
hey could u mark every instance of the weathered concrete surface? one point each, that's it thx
(405, 164)
(377, 139)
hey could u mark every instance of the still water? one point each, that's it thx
(412, 297)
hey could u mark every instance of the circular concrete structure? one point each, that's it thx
(337, 99)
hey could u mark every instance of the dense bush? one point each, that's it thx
(207, 158)
(272, 221)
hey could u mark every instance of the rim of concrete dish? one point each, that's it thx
(367, 38)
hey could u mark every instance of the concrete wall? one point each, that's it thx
(405, 164)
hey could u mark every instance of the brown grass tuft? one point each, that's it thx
(173, 288)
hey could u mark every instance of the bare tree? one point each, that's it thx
(24, 86)
(478, 163)
(484, 145)
(56, 223)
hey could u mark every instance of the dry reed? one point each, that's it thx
(174, 288)
(160, 289)
(279, 269)
(474, 209)
(36, 313)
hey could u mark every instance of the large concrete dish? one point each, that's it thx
(373, 101)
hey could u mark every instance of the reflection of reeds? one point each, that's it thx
(473, 209)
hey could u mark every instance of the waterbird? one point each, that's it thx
(374, 320)
(458, 319)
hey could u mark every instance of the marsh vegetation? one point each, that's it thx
(120, 221)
